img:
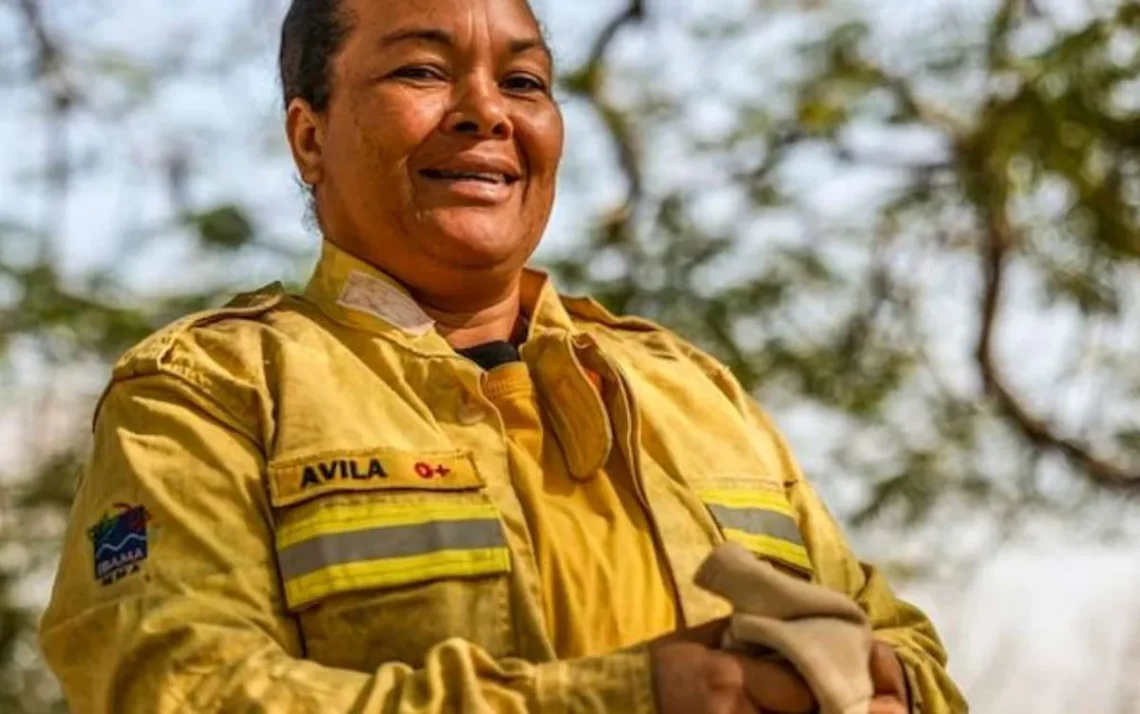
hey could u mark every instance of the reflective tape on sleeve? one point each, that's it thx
(755, 520)
(394, 572)
(761, 521)
(344, 517)
(380, 556)
(385, 543)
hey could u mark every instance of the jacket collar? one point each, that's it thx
(359, 295)
(362, 297)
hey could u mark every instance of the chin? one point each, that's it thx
(475, 244)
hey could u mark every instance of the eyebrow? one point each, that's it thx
(443, 37)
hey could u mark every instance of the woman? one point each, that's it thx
(430, 483)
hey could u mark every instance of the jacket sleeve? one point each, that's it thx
(894, 621)
(183, 611)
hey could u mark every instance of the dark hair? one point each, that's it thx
(311, 36)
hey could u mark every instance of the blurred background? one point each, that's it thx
(912, 227)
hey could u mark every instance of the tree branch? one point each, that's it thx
(911, 103)
(998, 239)
(589, 85)
(634, 12)
(49, 56)
(63, 95)
(995, 252)
(1002, 24)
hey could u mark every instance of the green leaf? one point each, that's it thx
(1129, 439)
(227, 227)
(1088, 290)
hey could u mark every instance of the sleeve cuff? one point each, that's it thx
(618, 682)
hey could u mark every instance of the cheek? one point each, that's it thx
(542, 137)
(387, 128)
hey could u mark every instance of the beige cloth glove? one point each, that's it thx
(823, 633)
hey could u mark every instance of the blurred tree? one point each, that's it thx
(1003, 164)
(59, 328)
(989, 169)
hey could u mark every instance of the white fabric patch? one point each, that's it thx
(369, 294)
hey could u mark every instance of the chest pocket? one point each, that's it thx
(384, 554)
(759, 517)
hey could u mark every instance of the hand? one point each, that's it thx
(692, 677)
(888, 680)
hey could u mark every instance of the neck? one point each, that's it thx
(467, 321)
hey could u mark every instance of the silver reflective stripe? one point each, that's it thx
(394, 542)
(758, 520)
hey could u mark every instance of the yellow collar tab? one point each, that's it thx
(382, 299)
(353, 292)
(358, 294)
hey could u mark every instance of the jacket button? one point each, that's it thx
(471, 413)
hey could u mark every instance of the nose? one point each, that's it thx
(479, 112)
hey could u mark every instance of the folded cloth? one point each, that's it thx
(822, 633)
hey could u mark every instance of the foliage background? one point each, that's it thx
(911, 226)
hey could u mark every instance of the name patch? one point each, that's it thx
(299, 479)
(323, 472)
(120, 543)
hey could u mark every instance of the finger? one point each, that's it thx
(773, 685)
(886, 705)
(886, 671)
(743, 706)
(722, 672)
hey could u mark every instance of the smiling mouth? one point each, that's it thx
(488, 177)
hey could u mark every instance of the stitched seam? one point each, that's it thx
(294, 461)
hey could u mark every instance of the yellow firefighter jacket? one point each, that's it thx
(305, 504)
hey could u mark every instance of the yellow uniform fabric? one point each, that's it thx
(603, 588)
(305, 504)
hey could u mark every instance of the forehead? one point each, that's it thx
(467, 20)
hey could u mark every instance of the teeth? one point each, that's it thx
(467, 175)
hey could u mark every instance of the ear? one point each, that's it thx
(305, 131)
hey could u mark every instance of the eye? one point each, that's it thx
(419, 73)
(524, 83)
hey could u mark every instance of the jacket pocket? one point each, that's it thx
(761, 520)
(384, 554)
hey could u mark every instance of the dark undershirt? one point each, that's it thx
(491, 354)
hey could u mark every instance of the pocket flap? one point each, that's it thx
(299, 479)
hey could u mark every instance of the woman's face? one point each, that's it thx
(439, 149)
